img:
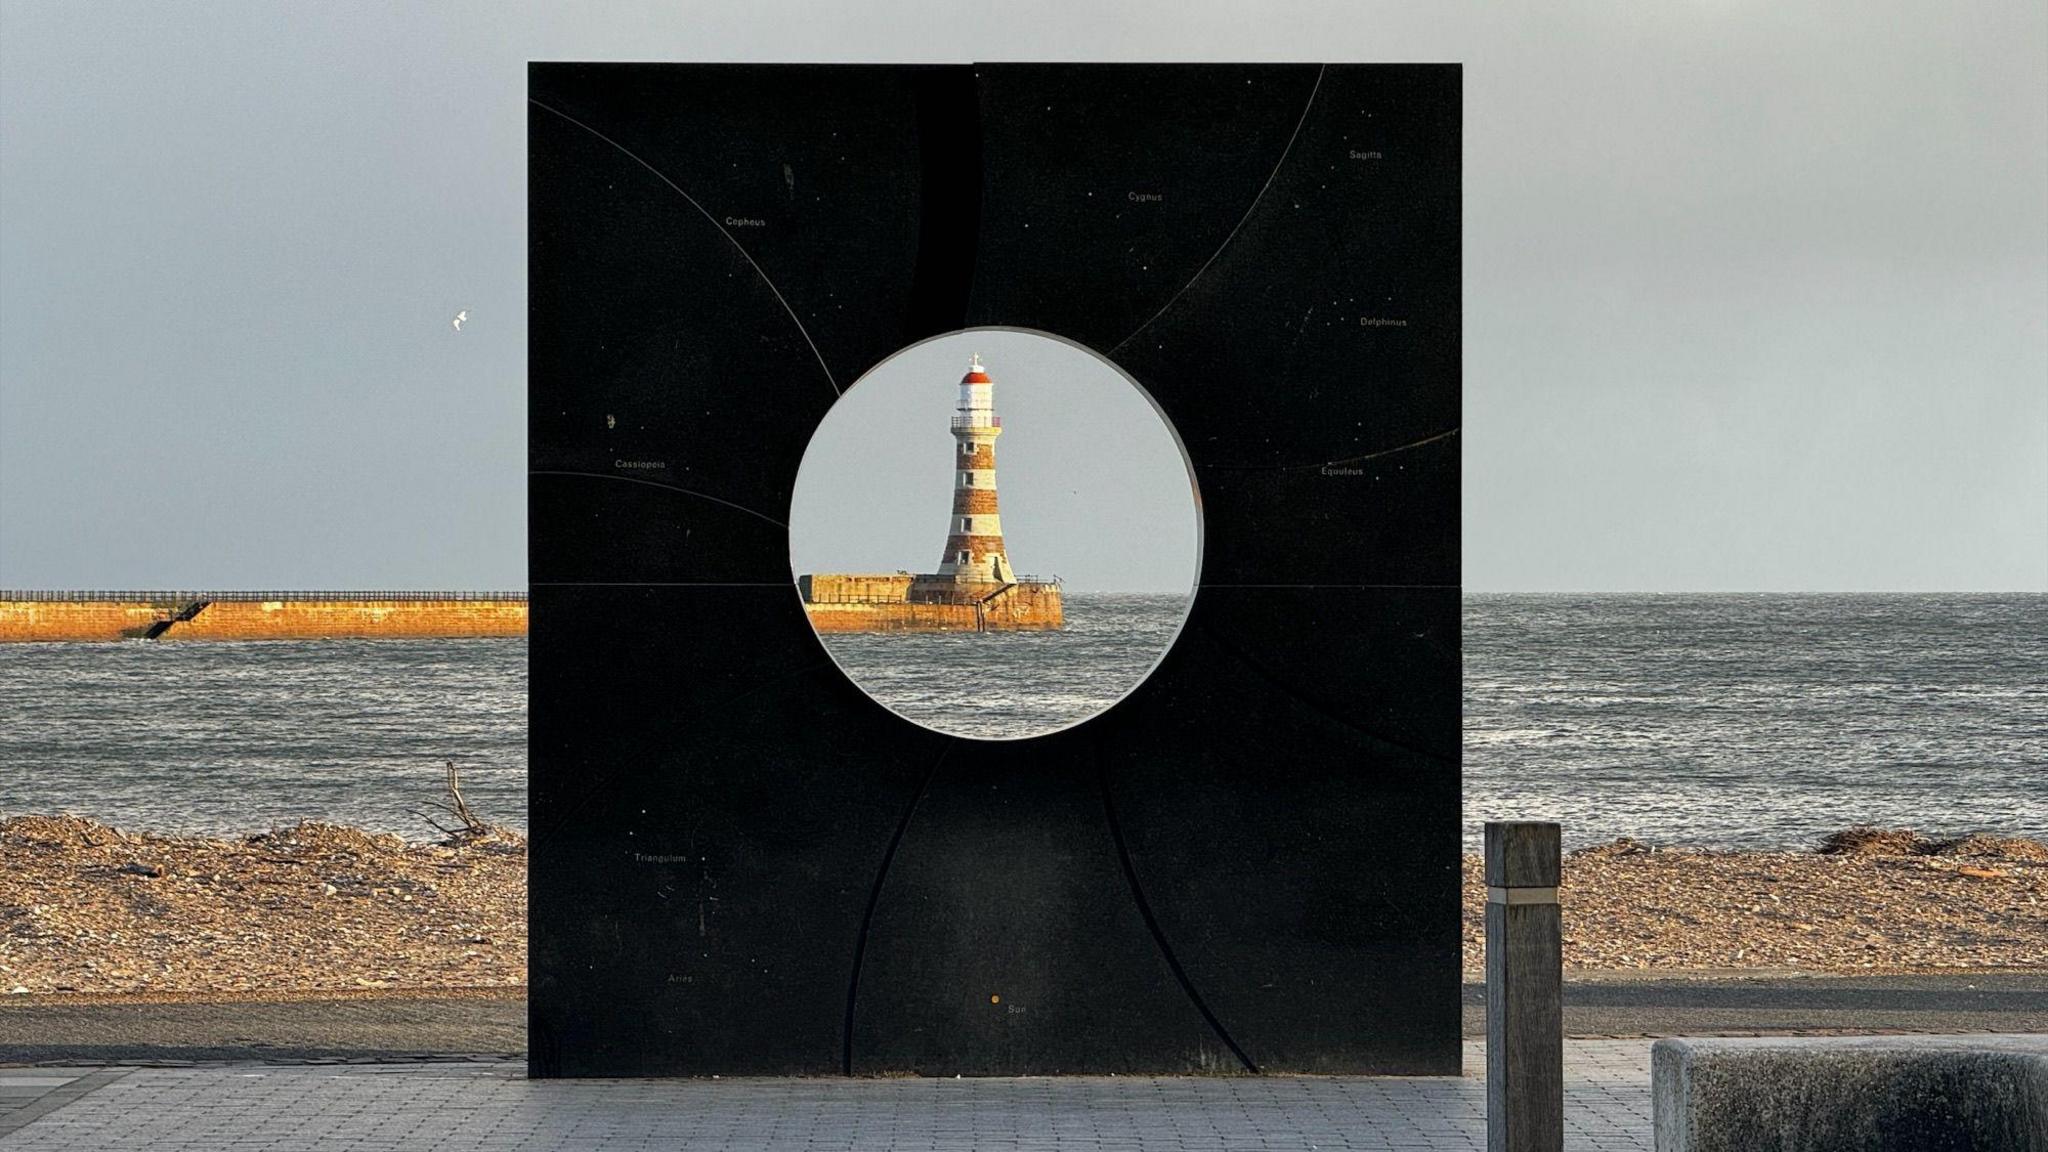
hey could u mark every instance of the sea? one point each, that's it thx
(1727, 721)
(1008, 685)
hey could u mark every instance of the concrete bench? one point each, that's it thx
(1873, 1094)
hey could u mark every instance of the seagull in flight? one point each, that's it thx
(459, 318)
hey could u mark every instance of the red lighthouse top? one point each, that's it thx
(974, 373)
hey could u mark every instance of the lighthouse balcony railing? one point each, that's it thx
(977, 421)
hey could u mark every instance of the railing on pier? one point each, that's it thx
(158, 595)
(927, 595)
(857, 600)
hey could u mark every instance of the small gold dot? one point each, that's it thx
(995, 999)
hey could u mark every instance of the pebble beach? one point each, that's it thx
(313, 908)
(319, 909)
(1865, 902)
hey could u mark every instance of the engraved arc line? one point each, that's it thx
(664, 487)
(1424, 442)
(867, 920)
(737, 246)
(1249, 209)
(1266, 674)
(1144, 906)
(1301, 701)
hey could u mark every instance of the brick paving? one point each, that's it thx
(492, 1107)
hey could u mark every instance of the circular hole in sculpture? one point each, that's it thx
(996, 534)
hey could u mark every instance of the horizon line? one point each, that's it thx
(7, 590)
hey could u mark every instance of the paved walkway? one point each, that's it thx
(121, 1030)
(487, 1107)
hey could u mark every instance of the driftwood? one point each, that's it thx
(469, 826)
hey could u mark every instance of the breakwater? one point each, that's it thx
(266, 615)
(901, 602)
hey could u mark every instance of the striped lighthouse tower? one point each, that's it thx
(974, 538)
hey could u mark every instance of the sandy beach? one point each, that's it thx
(87, 910)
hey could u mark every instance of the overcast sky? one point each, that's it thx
(1094, 488)
(1756, 296)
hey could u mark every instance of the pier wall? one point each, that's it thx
(841, 602)
(103, 620)
(1027, 607)
(833, 587)
(901, 617)
(58, 620)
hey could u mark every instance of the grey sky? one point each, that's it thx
(1093, 487)
(1756, 296)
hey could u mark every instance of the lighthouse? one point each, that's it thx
(974, 589)
(974, 536)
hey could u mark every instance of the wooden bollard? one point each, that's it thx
(1524, 989)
